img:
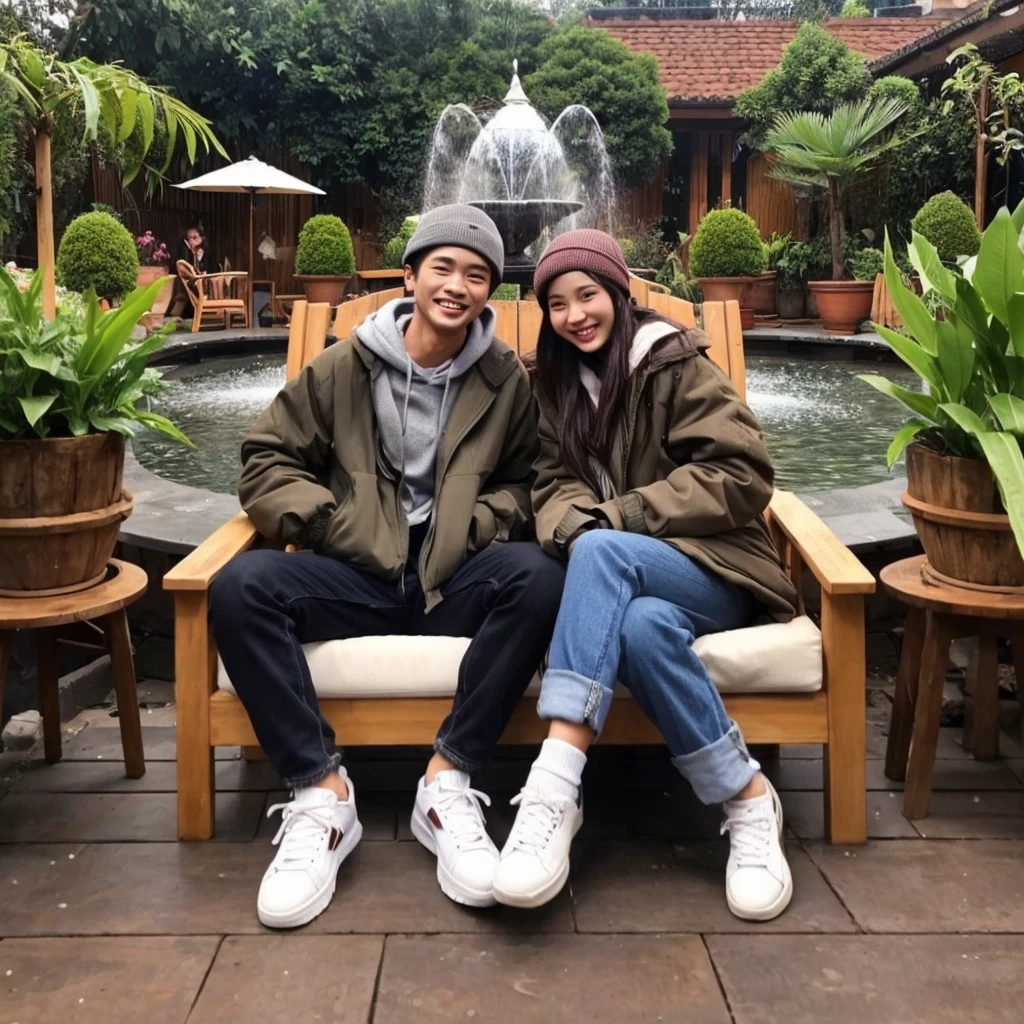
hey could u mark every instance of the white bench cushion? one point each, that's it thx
(777, 658)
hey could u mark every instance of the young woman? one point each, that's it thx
(652, 478)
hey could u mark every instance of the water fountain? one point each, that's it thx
(531, 179)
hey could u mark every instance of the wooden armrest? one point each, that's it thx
(197, 570)
(834, 565)
(222, 273)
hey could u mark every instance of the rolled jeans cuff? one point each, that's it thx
(304, 782)
(574, 698)
(451, 755)
(720, 770)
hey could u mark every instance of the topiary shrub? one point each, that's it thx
(727, 244)
(97, 251)
(325, 248)
(948, 223)
(391, 256)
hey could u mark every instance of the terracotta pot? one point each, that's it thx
(762, 295)
(323, 287)
(61, 508)
(842, 304)
(790, 303)
(724, 289)
(146, 276)
(961, 524)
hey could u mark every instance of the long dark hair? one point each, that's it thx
(584, 431)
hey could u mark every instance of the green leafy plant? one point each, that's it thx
(866, 264)
(506, 293)
(948, 223)
(645, 249)
(64, 379)
(727, 244)
(971, 356)
(391, 256)
(775, 247)
(855, 9)
(325, 247)
(97, 252)
(832, 152)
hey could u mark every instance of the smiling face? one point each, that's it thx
(450, 287)
(581, 311)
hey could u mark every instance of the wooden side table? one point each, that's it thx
(937, 615)
(105, 605)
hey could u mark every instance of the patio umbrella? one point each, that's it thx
(254, 177)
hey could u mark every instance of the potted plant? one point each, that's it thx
(154, 261)
(324, 258)
(965, 467)
(392, 253)
(866, 264)
(791, 268)
(948, 223)
(831, 153)
(726, 255)
(763, 292)
(70, 391)
(98, 252)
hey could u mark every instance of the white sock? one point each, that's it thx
(558, 769)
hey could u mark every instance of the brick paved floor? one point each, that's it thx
(105, 919)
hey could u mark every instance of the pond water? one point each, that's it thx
(825, 428)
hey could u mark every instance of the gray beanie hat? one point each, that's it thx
(464, 226)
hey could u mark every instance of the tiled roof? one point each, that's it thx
(707, 61)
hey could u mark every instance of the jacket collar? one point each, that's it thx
(495, 366)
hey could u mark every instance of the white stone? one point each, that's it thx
(22, 731)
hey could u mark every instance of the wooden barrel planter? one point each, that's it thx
(959, 519)
(61, 508)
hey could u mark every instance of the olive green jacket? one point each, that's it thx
(689, 466)
(313, 471)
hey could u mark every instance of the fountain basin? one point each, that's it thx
(521, 221)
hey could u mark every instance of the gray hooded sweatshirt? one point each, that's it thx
(413, 402)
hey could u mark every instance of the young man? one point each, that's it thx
(400, 461)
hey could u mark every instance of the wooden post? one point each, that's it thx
(44, 222)
(981, 158)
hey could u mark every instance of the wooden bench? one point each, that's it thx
(834, 716)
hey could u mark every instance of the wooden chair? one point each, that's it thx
(210, 295)
(833, 716)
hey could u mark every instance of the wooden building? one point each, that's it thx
(705, 65)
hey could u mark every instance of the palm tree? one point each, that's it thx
(112, 98)
(830, 152)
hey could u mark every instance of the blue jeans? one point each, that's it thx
(631, 608)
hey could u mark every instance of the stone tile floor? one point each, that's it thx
(105, 918)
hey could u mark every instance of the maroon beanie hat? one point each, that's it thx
(593, 252)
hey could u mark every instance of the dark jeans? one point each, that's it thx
(266, 603)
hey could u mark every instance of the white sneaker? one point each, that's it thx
(758, 885)
(448, 821)
(317, 833)
(534, 864)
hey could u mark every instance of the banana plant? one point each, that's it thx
(59, 379)
(112, 98)
(970, 355)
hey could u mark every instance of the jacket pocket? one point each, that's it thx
(360, 533)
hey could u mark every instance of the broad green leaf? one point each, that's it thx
(999, 274)
(968, 267)
(956, 360)
(129, 102)
(1009, 411)
(35, 406)
(924, 258)
(145, 112)
(118, 424)
(172, 142)
(903, 437)
(1018, 219)
(913, 355)
(967, 420)
(1015, 320)
(1003, 454)
(916, 318)
(90, 100)
(921, 405)
(160, 424)
(43, 361)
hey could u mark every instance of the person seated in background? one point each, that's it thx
(195, 250)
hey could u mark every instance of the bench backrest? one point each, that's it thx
(519, 324)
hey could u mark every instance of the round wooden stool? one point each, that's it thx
(105, 605)
(937, 615)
